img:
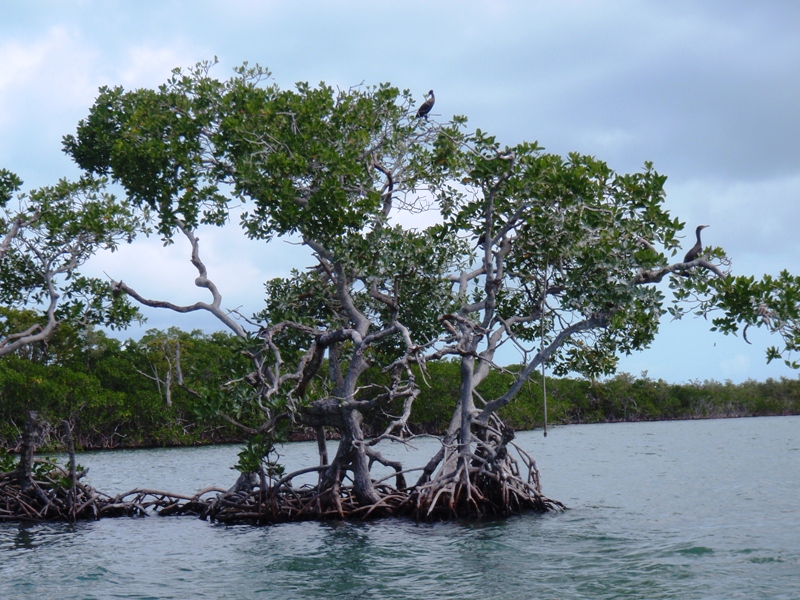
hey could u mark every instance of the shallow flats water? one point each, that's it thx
(681, 509)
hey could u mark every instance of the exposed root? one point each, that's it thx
(478, 481)
(479, 495)
(483, 494)
(482, 483)
(51, 495)
(479, 485)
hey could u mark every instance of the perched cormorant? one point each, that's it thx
(426, 106)
(696, 249)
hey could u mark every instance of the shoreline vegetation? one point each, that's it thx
(126, 395)
(305, 434)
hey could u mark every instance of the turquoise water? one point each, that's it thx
(683, 509)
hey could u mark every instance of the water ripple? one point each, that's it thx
(702, 509)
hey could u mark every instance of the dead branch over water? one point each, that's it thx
(48, 499)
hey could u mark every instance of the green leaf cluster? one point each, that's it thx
(260, 454)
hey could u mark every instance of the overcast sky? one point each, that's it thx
(709, 91)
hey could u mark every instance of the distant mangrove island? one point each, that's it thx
(168, 389)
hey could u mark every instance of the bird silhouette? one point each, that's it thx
(426, 106)
(697, 248)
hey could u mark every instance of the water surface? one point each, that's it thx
(681, 509)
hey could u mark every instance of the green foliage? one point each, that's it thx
(194, 366)
(772, 303)
(9, 185)
(105, 388)
(7, 462)
(43, 469)
(288, 151)
(620, 398)
(575, 229)
(94, 380)
(438, 396)
(260, 453)
(46, 236)
(322, 164)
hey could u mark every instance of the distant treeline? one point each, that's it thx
(621, 398)
(166, 389)
(121, 394)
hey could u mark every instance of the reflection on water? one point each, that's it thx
(701, 509)
(23, 540)
(35, 536)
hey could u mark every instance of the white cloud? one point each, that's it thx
(48, 74)
(734, 367)
(150, 65)
(239, 267)
(49, 81)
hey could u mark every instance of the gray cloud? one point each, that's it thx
(708, 91)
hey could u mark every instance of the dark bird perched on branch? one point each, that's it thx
(426, 106)
(697, 248)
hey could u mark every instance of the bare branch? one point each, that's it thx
(655, 276)
(202, 280)
(523, 376)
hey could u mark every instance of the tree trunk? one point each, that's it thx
(29, 438)
(449, 437)
(465, 436)
(322, 446)
(73, 475)
(350, 456)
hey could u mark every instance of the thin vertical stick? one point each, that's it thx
(541, 352)
(26, 452)
(544, 394)
(73, 476)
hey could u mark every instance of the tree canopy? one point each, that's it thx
(47, 234)
(560, 257)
